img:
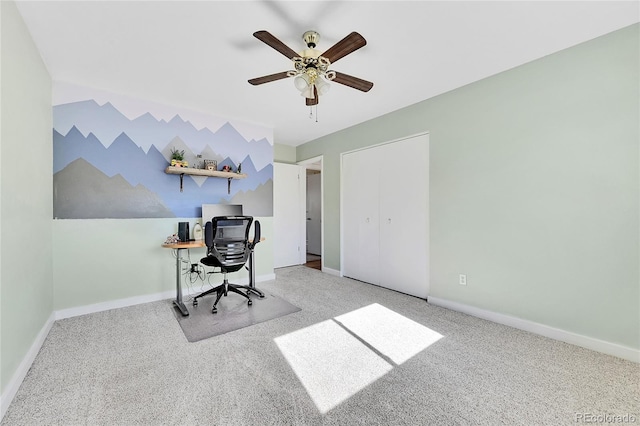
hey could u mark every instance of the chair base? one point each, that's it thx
(249, 289)
(222, 290)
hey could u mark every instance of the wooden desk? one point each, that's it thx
(179, 247)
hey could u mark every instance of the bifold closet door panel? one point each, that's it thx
(360, 212)
(404, 217)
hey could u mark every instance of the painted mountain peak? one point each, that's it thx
(107, 123)
(98, 196)
(126, 159)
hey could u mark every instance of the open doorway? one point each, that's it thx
(313, 208)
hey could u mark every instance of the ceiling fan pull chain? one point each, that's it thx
(316, 113)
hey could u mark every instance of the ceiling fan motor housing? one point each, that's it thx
(310, 53)
(311, 39)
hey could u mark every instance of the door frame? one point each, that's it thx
(308, 164)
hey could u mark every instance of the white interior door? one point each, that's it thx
(314, 237)
(288, 215)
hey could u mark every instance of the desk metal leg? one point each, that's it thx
(252, 275)
(178, 302)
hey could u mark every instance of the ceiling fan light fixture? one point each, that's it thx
(302, 82)
(307, 93)
(322, 86)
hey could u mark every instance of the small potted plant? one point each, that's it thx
(177, 158)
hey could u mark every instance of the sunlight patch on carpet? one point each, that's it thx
(330, 363)
(390, 333)
(337, 358)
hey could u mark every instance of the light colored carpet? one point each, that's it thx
(355, 354)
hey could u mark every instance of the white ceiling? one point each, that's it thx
(200, 54)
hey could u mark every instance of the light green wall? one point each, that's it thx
(102, 260)
(25, 192)
(284, 153)
(534, 188)
(2, 383)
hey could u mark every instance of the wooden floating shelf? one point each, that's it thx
(172, 170)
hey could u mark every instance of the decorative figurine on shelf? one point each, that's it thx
(211, 165)
(226, 168)
(239, 168)
(172, 239)
(177, 158)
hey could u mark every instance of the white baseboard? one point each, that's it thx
(137, 300)
(331, 271)
(112, 304)
(543, 330)
(266, 277)
(22, 370)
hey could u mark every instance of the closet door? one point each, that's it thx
(360, 198)
(404, 194)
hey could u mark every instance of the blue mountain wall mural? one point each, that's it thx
(107, 165)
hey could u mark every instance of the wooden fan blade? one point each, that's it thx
(269, 39)
(355, 82)
(269, 78)
(349, 44)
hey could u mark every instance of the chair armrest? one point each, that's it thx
(256, 235)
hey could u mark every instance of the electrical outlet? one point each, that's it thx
(462, 279)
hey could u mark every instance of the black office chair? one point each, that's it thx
(252, 244)
(228, 248)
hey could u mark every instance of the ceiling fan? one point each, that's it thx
(311, 67)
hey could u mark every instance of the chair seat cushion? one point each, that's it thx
(214, 262)
(210, 261)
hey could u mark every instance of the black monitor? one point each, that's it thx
(209, 211)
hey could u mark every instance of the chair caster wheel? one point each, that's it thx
(214, 311)
(250, 302)
(195, 303)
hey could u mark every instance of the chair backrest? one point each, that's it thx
(227, 240)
